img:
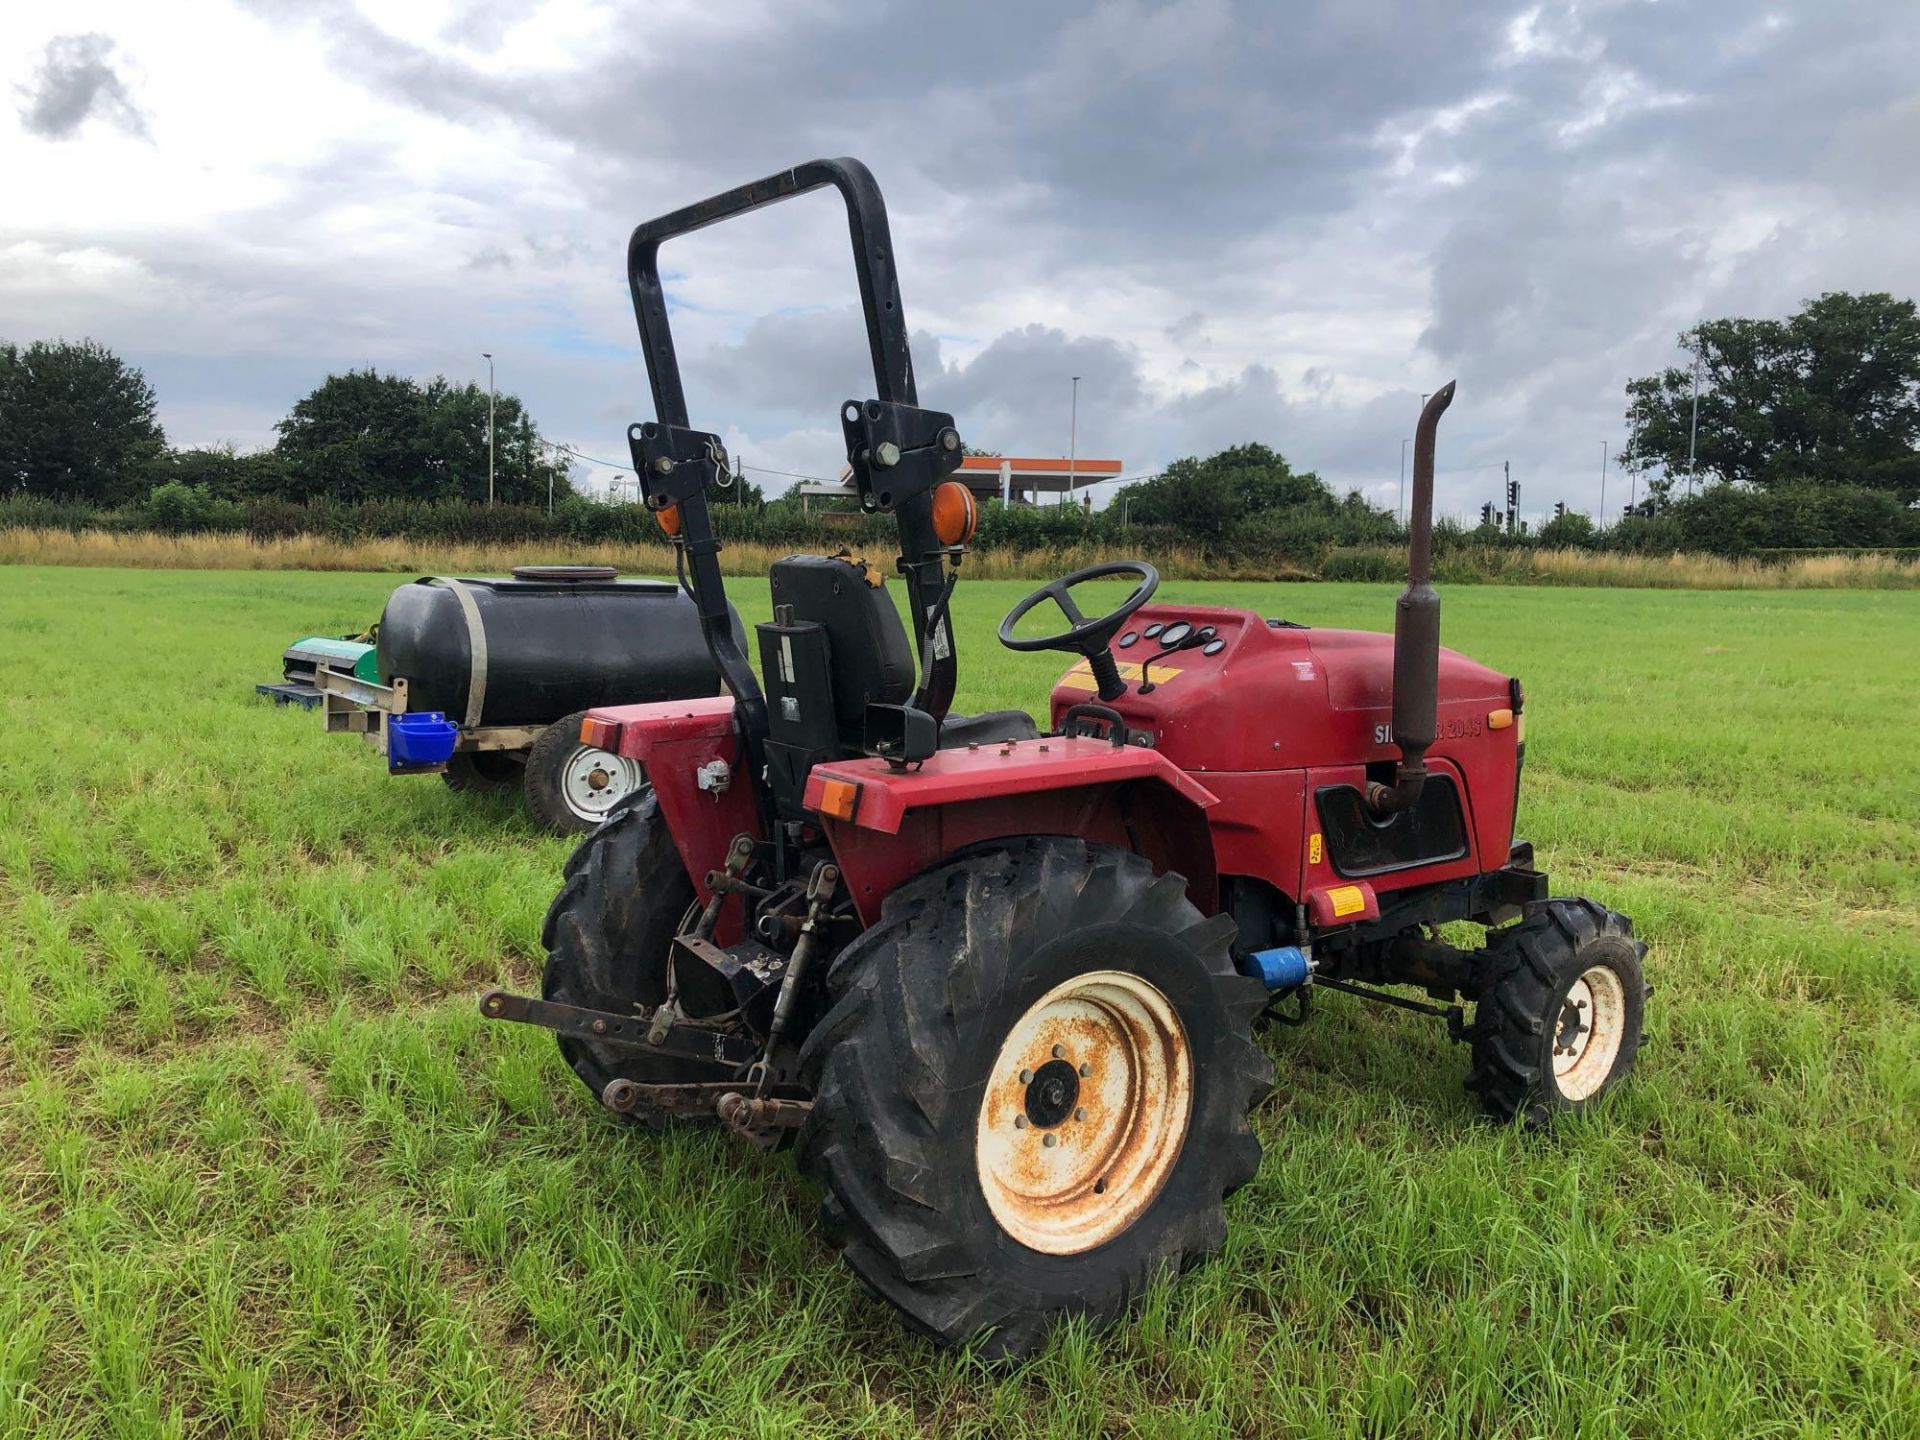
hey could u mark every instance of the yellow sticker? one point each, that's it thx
(1080, 676)
(1347, 900)
(1313, 848)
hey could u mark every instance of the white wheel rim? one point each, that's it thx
(1588, 1031)
(595, 781)
(1085, 1112)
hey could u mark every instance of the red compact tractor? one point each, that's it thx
(1000, 983)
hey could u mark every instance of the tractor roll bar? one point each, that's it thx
(898, 452)
(872, 258)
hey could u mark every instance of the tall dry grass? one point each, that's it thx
(144, 551)
(1715, 572)
(1509, 567)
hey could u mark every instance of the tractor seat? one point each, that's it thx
(989, 727)
(869, 654)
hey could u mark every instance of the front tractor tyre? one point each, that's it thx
(1561, 1005)
(1031, 1091)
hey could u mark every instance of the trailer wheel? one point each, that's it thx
(485, 772)
(1031, 1091)
(572, 787)
(607, 935)
(1561, 1004)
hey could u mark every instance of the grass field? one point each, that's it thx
(266, 1172)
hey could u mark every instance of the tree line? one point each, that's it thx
(1807, 436)
(79, 424)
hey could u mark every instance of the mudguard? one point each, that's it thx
(886, 825)
(692, 752)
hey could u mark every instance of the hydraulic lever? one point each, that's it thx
(1204, 635)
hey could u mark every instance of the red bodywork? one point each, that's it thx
(1242, 739)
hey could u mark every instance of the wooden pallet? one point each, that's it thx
(305, 696)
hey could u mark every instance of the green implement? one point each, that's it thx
(317, 652)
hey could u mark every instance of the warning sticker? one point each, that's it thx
(1080, 676)
(1347, 900)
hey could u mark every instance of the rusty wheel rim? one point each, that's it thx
(1588, 1032)
(1085, 1112)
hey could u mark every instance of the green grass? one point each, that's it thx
(266, 1172)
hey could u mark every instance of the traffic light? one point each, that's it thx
(1486, 515)
(1559, 509)
(1513, 494)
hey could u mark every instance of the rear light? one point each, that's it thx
(839, 799)
(601, 734)
(955, 516)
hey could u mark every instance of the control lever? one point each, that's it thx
(1193, 639)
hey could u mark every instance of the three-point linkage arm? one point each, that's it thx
(898, 451)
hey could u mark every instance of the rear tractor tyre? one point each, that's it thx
(1560, 1012)
(607, 935)
(485, 772)
(1031, 1091)
(571, 786)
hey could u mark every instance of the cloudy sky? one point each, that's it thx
(1235, 221)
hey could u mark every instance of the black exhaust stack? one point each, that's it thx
(1416, 631)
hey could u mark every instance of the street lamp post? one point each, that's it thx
(1693, 429)
(1603, 484)
(487, 355)
(1073, 437)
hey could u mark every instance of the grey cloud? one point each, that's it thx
(1235, 220)
(76, 81)
(1015, 393)
(1020, 385)
(794, 367)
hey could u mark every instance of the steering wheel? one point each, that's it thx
(1090, 638)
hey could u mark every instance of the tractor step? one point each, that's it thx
(635, 1032)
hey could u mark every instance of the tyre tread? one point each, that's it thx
(882, 1094)
(1523, 967)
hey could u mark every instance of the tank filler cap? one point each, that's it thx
(565, 572)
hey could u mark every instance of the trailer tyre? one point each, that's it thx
(485, 772)
(1561, 1005)
(607, 935)
(572, 787)
(1031, 1091)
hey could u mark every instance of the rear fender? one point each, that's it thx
(677, 740)
(900, 823)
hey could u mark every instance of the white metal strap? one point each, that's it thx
(476, 644)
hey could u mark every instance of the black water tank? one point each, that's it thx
(551, 647)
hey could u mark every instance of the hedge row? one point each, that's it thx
(1721, 521)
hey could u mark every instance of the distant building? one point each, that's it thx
(1024, 481)
(1015, 480)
